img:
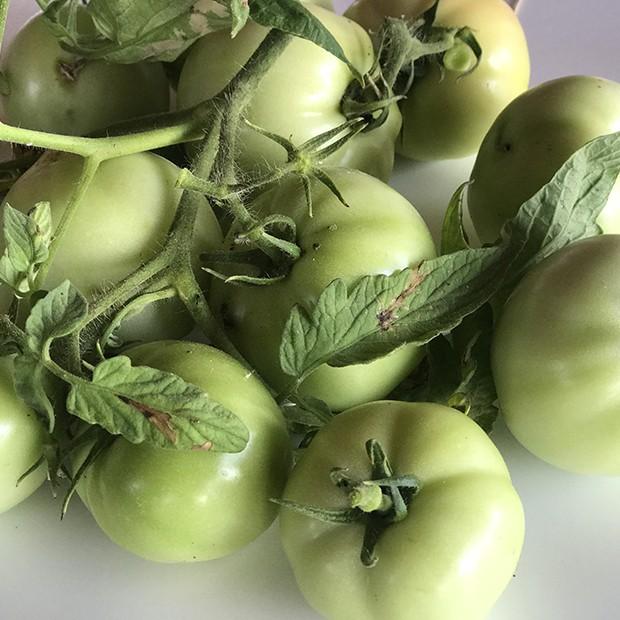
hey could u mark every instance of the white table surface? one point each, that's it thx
(571, 560)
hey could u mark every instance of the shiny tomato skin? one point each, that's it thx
(21, 443)
(555, 358)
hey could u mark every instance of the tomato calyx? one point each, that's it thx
(378, 502)
(267, 246)
(406, 48)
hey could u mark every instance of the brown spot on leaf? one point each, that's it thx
(159, 419)
(389, 315)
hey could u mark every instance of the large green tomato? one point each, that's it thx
(555, 360)
(21, 442)
(380, 233)
(299, 98)
(49, 89)
(453, 554)
(182, 506)
(122, 222)
(446, 115)
(529, 142)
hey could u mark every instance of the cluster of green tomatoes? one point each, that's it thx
(418, 488)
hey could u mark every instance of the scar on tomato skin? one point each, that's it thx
(159, 419)
(388, 316)
(205, 447)
(71, 70)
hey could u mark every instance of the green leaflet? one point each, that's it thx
(292, 17)
(380, 313)
(142, 404)
(126, 31)
(145, 404)
(453, 234)
(31, 378)
(54, 316)
(27, 239)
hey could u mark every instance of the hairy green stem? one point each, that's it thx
(193, 298)
(8, 328)
(133, 307)
(108, 147)
(177, 248)
(74, 353)
(173, 265)
(4, 11)
(127, 288)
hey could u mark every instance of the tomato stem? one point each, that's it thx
(89, 169)
(4, 11)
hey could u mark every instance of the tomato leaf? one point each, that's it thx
(292, 17)
(476, 393)
(239, 14)
(145, 404)
(126, 31)
(31, 378)
(305, 414)
(27, 240)
(458, 371)
(54, 316)
(453, 234)
(380, 313)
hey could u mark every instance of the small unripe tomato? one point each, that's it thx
(529, 142)
(49, 89)
(446, 114)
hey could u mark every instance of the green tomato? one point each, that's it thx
(453, 554)
(555, 358)
(21, 443)
(326, 4)
(299, 98)
(121, 223)
(529, 142)
(181, 506)
(446, 114)
(380, 233)
(46, 88)
(371, 13)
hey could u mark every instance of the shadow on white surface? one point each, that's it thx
(70, 570)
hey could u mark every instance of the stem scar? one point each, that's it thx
(71, 70)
